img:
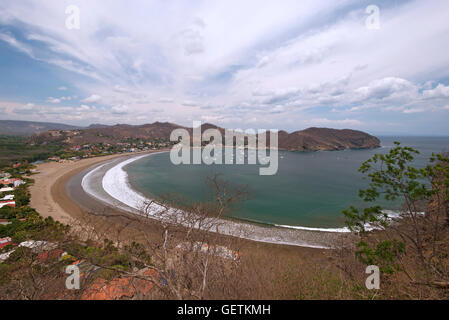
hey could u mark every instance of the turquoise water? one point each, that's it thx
(310, 189)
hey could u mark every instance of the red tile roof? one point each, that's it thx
(52, 254)
(8, 181)
(5, 241)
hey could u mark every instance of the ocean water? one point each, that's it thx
(310, 189)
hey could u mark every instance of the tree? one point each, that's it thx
(417, 233)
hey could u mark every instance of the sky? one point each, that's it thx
(240, 64)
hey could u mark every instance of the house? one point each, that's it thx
(4, 222)
(14, 181)
(38, 246)
(6, 189)
(8, 197)
(16, 165)
(44, 249)
(7, 203)
(5, 255)
(5, 241)
(4, 175)
(54, 254)
(18, 182)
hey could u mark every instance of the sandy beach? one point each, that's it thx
(48, 194)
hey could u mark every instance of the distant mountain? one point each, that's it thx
(110, 134)
(97, 126)
(324, 139)
(158, 130)
(27, 128)
(312, 139)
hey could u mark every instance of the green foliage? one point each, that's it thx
(384, 255)
(106, 274)
(93, 253)
(137, 250)
(356, 221)
(392, 177)
(68, 259)
(34, 227)
(115, 259)
(22, 254)
(22, 195)
(74, 248)
(8, 212)
(108, 255)
(18, 149)
(440, 169)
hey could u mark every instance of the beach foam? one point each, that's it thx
(337, 230)
(116, 184)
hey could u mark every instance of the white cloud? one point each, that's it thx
(121, 109)
(84, 107)
(386, 88)
(441, 91)
(29, 108)
(53, 100)
(92, 99)
(16, 44)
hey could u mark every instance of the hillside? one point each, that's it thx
(312, 139)
(109, 134)
(324, 139)
(28, 128)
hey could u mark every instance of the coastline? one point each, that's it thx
(58, 193)
(48, 194)
(53, 192)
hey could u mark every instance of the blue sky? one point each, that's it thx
(240, 64)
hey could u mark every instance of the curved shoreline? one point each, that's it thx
(48, 192)
(114, 190)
